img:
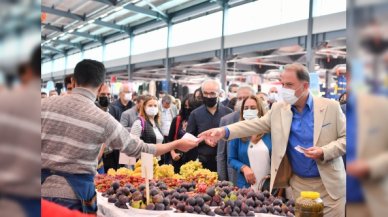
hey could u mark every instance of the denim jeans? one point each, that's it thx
(73, 204)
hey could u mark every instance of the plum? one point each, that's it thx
(228, 210)
(197, 209)
(150, 206)
(277, 208)
(157, 199)
(176, 195)
(184, 196)
(211, 191)
(262, 210)
(181, 206)
(238, 203)
(236, 209)
(218, 211)
(206, 197)
(250, 202)
(110, 191)
(189, 209)
(199, 201)
(112, 199)
(191, 201)
(260, 196)
(250, 213)
(206, 208)
(166, 202)
(234, 214)
(154, 192)
(211, 213)
(115, 185)
(277, 202)
(123, 199)
(159, 206)
(142, 187)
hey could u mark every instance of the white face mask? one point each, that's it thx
(250, 114)
(273, 97)
(288, 95)
(232, 95)
(152, 111)
(128, 96)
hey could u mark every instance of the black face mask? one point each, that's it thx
(209, 102)
(103, 101)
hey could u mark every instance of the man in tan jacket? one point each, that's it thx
(308, 140)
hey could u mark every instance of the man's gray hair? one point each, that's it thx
(213, 82)
(246, 87)
(123, 86)
(166, 99)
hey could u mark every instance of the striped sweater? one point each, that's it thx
(73, 129)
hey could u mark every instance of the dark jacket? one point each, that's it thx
(148, 133)
(116, 108)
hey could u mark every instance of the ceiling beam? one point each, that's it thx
(45, 47)
(81, 34)
(53, 28)
(155, 8)
(87, 35)
(145, 11)
(114, 26)
(107, 2)
(67, 14)
(140, 10)
(68, 43)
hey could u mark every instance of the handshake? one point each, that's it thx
(210, 137)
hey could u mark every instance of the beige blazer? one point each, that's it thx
(329, 133)
(373, 147)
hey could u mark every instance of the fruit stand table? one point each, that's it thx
(110, 210)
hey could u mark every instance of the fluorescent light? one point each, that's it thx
(104, 15)
(91, 21)
(118, 8)
(55, 38)
(63, 34)
(79, 27)
(71, 30)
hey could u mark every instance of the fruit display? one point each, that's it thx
(193, 171)
(198, 192)
(129, 195)
(164, 171)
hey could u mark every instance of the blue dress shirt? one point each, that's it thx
(302, 134)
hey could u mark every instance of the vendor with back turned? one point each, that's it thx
(73, 130)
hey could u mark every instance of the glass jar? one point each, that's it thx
(309, 204)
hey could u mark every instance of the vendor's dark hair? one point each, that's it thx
(89, 73)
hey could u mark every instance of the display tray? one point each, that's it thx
(107, 209)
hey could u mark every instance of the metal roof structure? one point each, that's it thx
(77, 24)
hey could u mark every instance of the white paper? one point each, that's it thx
(190, 137)
(147, 165)
(300, 149)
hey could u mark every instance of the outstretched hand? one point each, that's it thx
(212, 136)
(187, 144)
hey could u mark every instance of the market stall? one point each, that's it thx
(193, 192)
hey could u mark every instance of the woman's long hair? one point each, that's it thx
(259, 105)
(142, 112)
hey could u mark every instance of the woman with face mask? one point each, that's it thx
(147, 125)
(178, 129)
(250, 156)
